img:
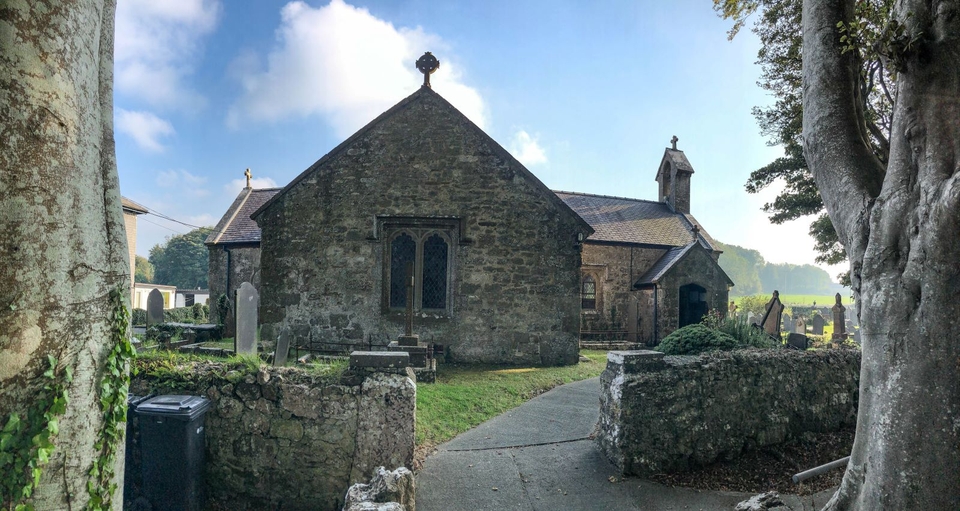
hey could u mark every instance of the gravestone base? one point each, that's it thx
(408, 340)
(422, 363)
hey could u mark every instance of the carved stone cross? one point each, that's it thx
(427, 64)
(249, 176)
(673, 142)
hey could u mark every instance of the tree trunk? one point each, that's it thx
(62, 235)
(901, 229)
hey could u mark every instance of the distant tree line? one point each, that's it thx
(753, 275)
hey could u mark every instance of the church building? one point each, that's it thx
(422, 205)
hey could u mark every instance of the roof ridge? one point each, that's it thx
(233, 217)
(608, 196)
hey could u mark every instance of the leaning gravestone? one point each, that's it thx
(246, 317)
(787, 323)
(772, 317)
(154, 307)
(817, 324)
(283, 348)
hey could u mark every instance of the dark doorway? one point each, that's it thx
(693, 304)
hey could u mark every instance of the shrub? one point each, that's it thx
(747, 336)
(182, 315)
(200, 311)
(138, 317)
(696, 339)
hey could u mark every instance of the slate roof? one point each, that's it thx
(663, 265)
(623, 220)
(410, 100)
(132, 207)
(236, 226)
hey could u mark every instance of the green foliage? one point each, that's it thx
(752, 275)
(138, 317)
(742, 266)
(223, 307)
(196, 313)
(877, 42)
(696, 339)
(182, 261)
(757, 304)
(747, 336)
(26, 442)
(466, 395)
(143, 270)
(112, 393)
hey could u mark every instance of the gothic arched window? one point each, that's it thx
(423, 245)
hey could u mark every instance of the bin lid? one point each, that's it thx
(175, 406)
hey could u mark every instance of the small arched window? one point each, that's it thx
(588, 293)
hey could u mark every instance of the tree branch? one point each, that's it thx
(836, 149)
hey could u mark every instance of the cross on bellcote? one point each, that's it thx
(427, 64)
(673, 142)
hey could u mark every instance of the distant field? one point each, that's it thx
(806, 299)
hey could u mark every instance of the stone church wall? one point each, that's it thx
(244, 266)
(616, 268)
(697, 268)
(515, 272)
(281, 438)
(670, 414)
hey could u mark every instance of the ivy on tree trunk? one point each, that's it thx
(62, 236)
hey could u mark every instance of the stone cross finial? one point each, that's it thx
(249, 176)
(673, 142)
(696, 231)
(427, 64)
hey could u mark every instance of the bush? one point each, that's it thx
(747, 336)
(696, 339)
(138, 317)
(192, 314)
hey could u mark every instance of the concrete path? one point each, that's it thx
(539, 457)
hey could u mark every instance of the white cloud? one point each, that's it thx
(527, 149)
(145, 128)
(157, 42)
(342, 63)
(233, 187)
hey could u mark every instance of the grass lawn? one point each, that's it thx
(466, 395)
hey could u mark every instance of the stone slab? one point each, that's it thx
(408, 340)
(379, 359)
(637, 360)
(283, 348)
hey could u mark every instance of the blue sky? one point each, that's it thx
(585, 94)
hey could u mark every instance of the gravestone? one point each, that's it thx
(751, 319)
(801, 326)
(798, 341)
(787, 323)
(154, 307)
(817, 324)
(772, 317)
(247, 300)
(856, 337)
(283, 348)
(839, 321)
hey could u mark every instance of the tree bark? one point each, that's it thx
(901, 227)
(62, 238)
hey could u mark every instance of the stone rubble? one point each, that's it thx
(387, 491)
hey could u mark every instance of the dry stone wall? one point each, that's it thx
(283, 439)
(670, 414)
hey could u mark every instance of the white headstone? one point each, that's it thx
(248, 301)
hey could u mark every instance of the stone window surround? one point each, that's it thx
(599, 272)
(387, 228)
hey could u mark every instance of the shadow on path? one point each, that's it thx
(539, 456)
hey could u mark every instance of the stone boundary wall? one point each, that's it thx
(280, 438)
(668, 414)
